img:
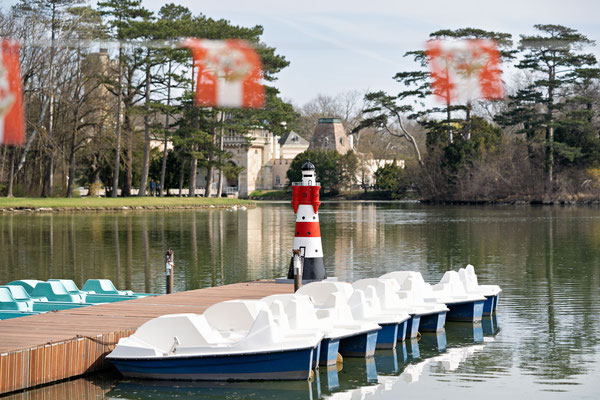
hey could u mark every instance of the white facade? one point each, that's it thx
(265, 161)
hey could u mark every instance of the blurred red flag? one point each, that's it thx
(229, 73)
(12, 122)
(465, 70)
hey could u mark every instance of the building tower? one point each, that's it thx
(330, 135)
(305, 200)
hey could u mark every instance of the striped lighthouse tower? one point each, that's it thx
(307, 239)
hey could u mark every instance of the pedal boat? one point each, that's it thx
(490, 292)
(299, 313)
(188, 347)
(330, 300)
(426, 316)
(366, 306)
(463, 306)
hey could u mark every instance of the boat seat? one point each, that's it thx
(103, 286)
(191, 330)
(55, 291)
(27, 284)
(319, 291)
(236, 315)
(19, 293)
(9, 303)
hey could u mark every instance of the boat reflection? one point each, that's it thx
(356, 378)
(490, 326)
(434, 341)
(141, 389)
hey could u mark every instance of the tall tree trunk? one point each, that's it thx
(181, 177)
(47, 183)
(211, 166)
(3, 161)
(146, 161)
(549, 162)
(49, 177)
(468, 120)
(550, 138)
(193, 166)
(448, 118)
(163, 168)
(220, 184)
(11, 174)
(71, 175)
(128, 180)
(117, 162)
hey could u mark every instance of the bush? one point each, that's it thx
(334, 171)
(391, 178)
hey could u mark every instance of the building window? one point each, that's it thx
(277, 180)
(255, 151)
(342, 141)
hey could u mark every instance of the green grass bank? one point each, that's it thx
(121, 203)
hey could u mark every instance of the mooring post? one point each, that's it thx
(297, 269)
(169, 266)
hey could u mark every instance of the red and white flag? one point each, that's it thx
(465, 70)
(12, 122)
(229, 73)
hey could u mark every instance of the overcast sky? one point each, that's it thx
(340, 45)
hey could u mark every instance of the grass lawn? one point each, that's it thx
(110, 203)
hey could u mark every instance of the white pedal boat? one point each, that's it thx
(330, 300)
(490, 292)
(299, 313)
(424, 317)
(189, 347)
(366, 305)
(449, 291)
(427, 315)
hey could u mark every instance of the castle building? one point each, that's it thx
(265, 159)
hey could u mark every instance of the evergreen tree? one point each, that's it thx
(555, 60)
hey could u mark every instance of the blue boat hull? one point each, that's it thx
(488, 306)
(412, 326)
(433, 322)
(282, 365)
(402, 329)
(468, 311)
(362, 345)
(329, 351)
(496, 299)
(387, 336)
(316, 355)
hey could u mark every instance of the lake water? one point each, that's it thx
(544, 342)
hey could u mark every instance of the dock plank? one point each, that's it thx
(49, 347)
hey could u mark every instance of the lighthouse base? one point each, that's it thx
(312, 269)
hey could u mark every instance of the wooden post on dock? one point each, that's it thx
(297, 269)
(169, 270)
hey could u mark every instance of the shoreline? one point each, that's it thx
(50, 205)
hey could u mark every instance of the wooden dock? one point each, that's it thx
(46, 348)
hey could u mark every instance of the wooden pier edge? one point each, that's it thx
(41, 349)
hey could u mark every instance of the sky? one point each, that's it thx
(335, 46)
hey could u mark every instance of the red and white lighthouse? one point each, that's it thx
(307, 239)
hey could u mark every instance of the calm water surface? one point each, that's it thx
(544, 343)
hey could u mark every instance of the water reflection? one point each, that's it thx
(545, 258)
(134, 390)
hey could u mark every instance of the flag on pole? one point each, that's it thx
(12, 122)
(229, 73)
(465, 70)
